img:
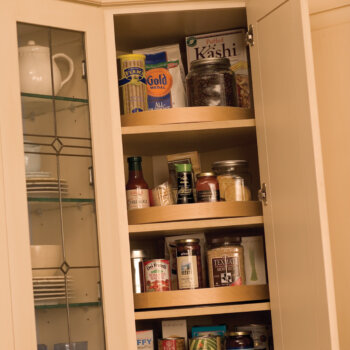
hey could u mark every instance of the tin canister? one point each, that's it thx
(205, 343)
(173, 343)
(137, 258)
(157, 275)
(132, 83)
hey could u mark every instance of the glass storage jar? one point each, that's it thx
(225, 262)
(211, 82)
(234, 180)
(207, 187)
(239, 340)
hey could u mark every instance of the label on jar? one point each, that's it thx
(157, 275)
(227, 271)
(187, 272)
(137, 198)
(208, 196)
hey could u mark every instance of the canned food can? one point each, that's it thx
(175, 343)
(205, 343)
(132, 83)
(157, 275)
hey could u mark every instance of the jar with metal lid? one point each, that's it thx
(234, 180)
(225, 262)
(207, 187)
(211, 82)
(137, 259)
(189, 264)
(239, 340)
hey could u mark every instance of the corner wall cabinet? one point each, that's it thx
(74, 196)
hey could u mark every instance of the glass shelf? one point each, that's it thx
(34, 105)
(61, 306)
(64, 200)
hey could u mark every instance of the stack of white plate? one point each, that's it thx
(51, 289)
(42, 184)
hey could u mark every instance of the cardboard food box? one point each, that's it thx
(175, 328)
(145, 340)
(230, 44)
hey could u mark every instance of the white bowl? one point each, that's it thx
(44, 256)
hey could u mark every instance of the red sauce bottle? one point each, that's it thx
(137, 194)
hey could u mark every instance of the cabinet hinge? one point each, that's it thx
(262, 194)
(250, 35)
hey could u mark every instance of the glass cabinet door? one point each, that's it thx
(60, 189)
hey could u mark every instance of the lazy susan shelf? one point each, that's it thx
(194, 211)
(204, 296)
(186, 115)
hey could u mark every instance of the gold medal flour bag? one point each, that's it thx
(165, 77)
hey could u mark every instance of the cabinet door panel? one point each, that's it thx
(300, 272)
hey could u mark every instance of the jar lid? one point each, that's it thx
(226, 240)
(137, 253)
(229, 163)
(188, 240)
(210, 61)
(172, 338)
(209, 173)
(233, 334)
(183, 167)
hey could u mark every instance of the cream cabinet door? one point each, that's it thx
(17, 318)
(296, 227)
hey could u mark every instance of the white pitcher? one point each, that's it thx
(35, 70)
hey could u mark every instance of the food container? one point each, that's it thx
(132, 83)
(226, 262)
(157, 275)
(234, 180)
(260, 334)
(211, 82)
(173, 343)
(207, 187)
(184, 183)
(189, 265)
(239, 340)
(144, 340)
(137, 258)
(162, 195)
(205, 343)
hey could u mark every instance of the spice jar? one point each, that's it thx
(189, 265)
(239, 340)
(211, 82)
(207, 187)
(184, 183)
(234, 180)
(225, 262)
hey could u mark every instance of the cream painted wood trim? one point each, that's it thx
(333, 17)
(116, 3)
(318, 6)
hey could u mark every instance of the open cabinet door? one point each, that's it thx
(295, 215)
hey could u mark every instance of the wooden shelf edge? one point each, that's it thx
(186, 115)
(195, 211)
(202, 311)
(171, 227)
(153, 129)
(201, 297)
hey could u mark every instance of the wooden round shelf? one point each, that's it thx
(194, 211)
(186, 115)
(204, 296)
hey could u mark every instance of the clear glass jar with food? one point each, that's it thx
(211, 82)
(234, 180)
(225, 262)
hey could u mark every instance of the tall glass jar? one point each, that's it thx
(211, 82)
(234, 180)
